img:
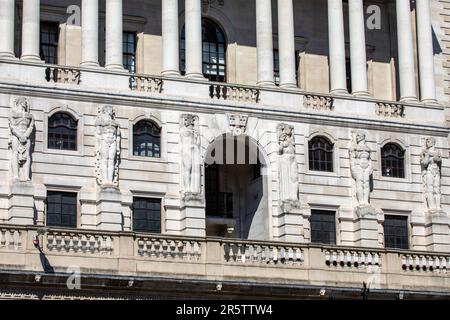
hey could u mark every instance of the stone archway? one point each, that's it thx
(236, 189)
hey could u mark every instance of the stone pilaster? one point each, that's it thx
(193, 217)
(193, 31)
(114, 35)
(170, 38)
(7, 27)
(437, 232)
(367, 225)
(21, 207)
(31, 24)
(109, 209)
(264, 39)
(89, 33)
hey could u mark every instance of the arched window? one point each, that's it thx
(214, 51)
(321, 154)
(62, 132)
(393, 161)
(146, 139)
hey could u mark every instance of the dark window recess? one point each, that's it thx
(218, 204)
(129, 51)
(276, 66)
(321, 155)
(214, 51)
(396, 232)
(147, 215)
(146, 139)
(348, 67)
(393, 161)
(61, 209)
(323, 227)
(49, 36)
(62, 132)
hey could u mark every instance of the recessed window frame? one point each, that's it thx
(149, 198)
(404, 217)
(133, 135)
(77, 129)
(333, 154)
(47, 43)
(126, 52)
(329, 212)
(405, 158)
(75, 194)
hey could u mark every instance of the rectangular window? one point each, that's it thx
(129, 51)
(62, 209)
(323, 227)
(49, 42)
(396, 232)
(147, 215)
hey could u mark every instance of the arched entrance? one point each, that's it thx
(236, 189)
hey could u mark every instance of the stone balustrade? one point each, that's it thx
(352, 258)
(145, 83)
(264, 253)
(78, 242)
(317, 102)
(10, 238)
(426, 263)
(390, 110)
(234, 93)
(169, 248)
(61, 74)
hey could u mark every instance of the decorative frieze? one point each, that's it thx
(320, 103)
(78, 242)
(58, 74)
(260, 253)
(234, 93)
(237, 123)
(148, 84)
(352, 258)
(426, 263)
(171, 249)
(390, 110)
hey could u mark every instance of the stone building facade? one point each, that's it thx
(295, 147)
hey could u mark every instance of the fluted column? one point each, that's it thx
(7, 27)
(193, 31)
(405, 52)
(114, 35)
(170, 39)
(89, 33)
(358, 57)
(31, 30)
(426, 53)
(336, 40)
(286, 45)
(264, 39)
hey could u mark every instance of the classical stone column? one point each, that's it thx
(170, 39)
(286, 46)
(426, 54)
(405, 52)
(114, 35)
(264, 38)
(358, 47)
(7, 27)
(89, 35)
(336, 40)
(31, 30)
(193, 31)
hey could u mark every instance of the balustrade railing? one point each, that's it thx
(144, 83)
(351, 258)
(390, 110)
(426, 263)
(167, 248)
(60, 74)
(79, 242)
(234, 93)
(317, 102)
(10, 239)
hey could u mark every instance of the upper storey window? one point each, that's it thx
(146, 139)
(129, 51)
(62, 132)
(49, 42)
(321, 155)
(214, 51)
(393, 161)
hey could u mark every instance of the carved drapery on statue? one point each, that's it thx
(361, 167)
(108, 138)
(431, 161)
(190, 157)
(287, 168)
(21, 126)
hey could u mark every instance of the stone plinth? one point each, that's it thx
(21, 204)
(192, 220)
(291, 223)
(109, 209)
(437, 232)
(418, 239)
(367, 227)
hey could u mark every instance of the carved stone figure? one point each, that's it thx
(21, 126)
(361, 168)
(431, 171)
(287, 167)
(238, 123)
(108, 147)
(190, 155)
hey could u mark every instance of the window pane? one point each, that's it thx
(49, 42)
(61, 209)
(62, 132)
(147, 215)
(321, 155)
(393, 161)
(323, 227)
(146, 139)
(396, 233)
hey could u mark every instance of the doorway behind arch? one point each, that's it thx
(236, 190)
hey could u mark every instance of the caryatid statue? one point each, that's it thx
(287, 166)
(21, 126)
(361, 167)
(190, 155)
(431, 161)
(108, 147)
